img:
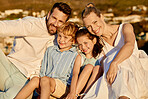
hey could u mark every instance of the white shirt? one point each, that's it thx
(31, 41)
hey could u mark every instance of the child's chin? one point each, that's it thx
(84, 52)
(61, 46)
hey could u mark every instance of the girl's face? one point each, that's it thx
(86, 45)
(94, 24)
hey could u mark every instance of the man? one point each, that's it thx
(32, 37)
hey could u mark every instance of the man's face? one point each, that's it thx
(56, 19)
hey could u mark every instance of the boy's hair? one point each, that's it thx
(69, 28)
(90, 7)
(97, 47)
(65, 8)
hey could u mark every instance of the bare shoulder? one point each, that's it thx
(127, 24)
(127, 27)
(78, 57)
(77, 63)
(128, 33)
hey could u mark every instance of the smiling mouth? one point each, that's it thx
(97, 31)
(85, 50)
(62, 44)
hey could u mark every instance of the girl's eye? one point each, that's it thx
(79, 45)
(88, 27)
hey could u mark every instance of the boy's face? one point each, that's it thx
(64, 41)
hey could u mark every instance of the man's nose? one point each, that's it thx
(56, 23)
(93, 28)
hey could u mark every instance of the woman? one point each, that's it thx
(125, 67)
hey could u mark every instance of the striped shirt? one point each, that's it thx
(57, 64)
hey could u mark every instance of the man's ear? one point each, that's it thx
(101, 16)
(94, 40)
(48, 15)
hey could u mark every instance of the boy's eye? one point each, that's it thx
(59, 35)
(65, 37)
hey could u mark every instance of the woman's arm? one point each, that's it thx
(124, 53)
(129, 39)
(76, 70)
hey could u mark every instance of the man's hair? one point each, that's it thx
(65, 8)
(69, 28)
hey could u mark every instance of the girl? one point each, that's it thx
(87, 60)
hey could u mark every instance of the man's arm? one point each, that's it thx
(28, 26)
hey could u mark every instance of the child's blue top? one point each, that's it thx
(57, 64)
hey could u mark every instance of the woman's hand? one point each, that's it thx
(71, 96)
(112, 72)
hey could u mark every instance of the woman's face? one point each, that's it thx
(94, 24)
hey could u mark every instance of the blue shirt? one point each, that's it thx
(93, 61)
(57, 64)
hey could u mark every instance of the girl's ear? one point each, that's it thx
(94, 40)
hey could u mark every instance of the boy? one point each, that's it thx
(57, 65)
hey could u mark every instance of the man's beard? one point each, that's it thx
(51, 32)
